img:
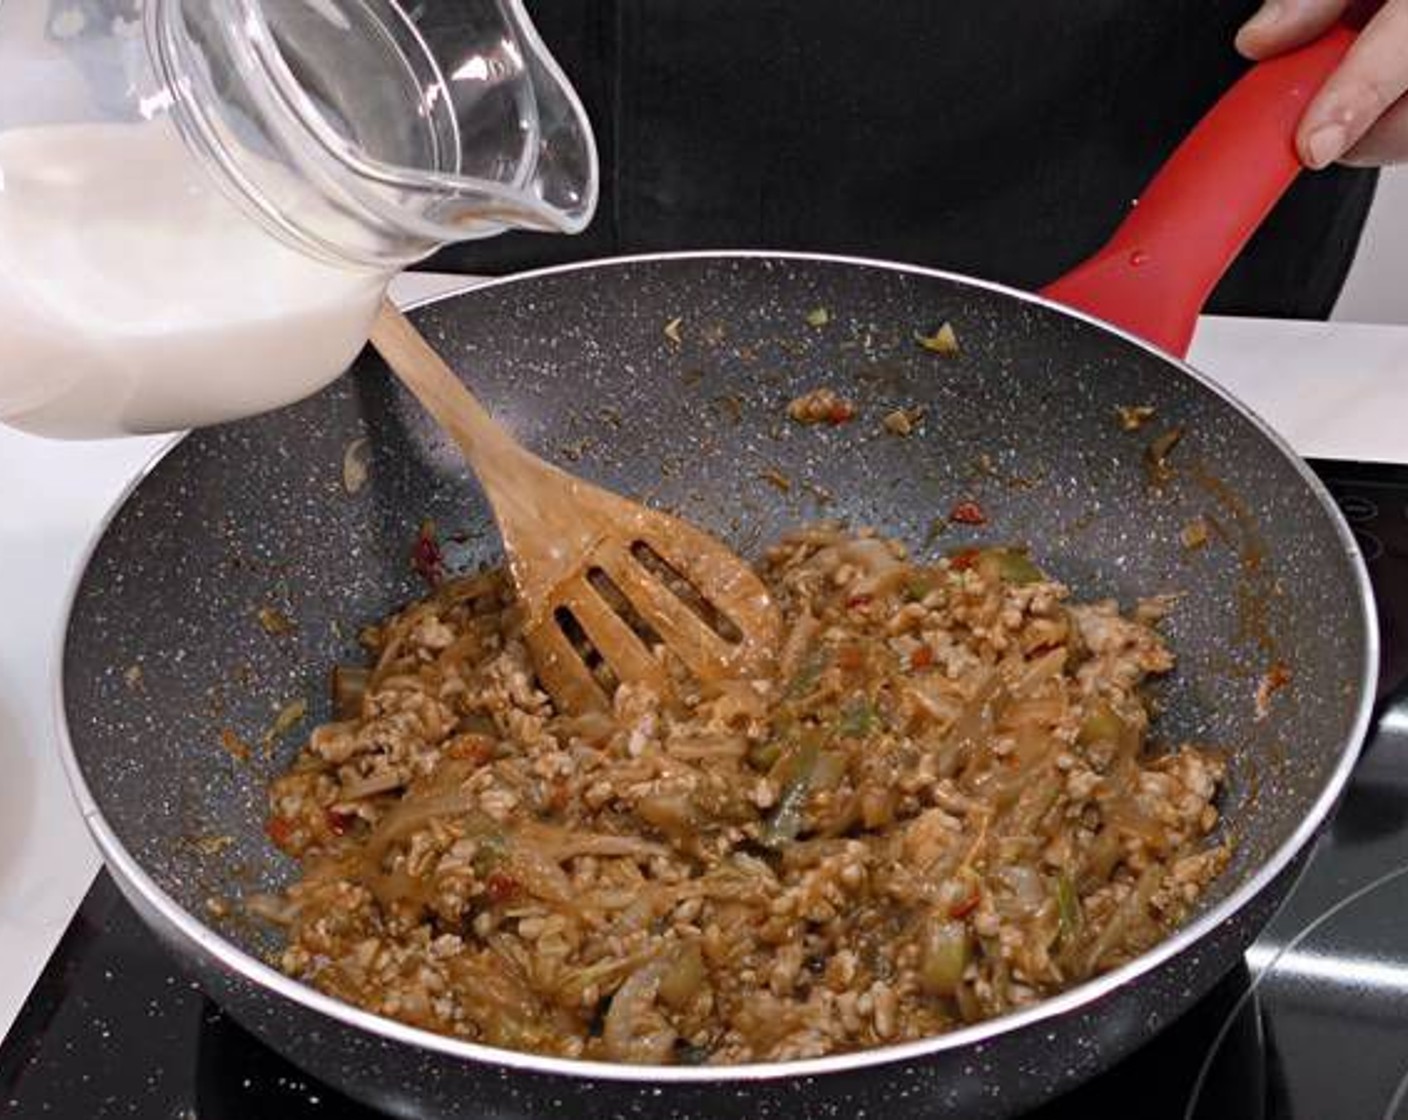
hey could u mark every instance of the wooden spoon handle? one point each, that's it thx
(490, 450)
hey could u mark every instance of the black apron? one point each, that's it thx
(1001, 138)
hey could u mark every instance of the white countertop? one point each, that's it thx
(1334, 390)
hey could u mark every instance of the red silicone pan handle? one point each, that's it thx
(1158, 269)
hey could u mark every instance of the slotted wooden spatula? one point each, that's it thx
(596, 572)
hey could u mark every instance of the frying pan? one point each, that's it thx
(163, 649)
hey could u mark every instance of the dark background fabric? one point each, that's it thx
(1001, 138)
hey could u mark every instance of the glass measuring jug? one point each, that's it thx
(202, 201)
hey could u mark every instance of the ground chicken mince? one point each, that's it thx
(821, 406)
(945, 805)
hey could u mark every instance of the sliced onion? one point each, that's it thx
(672, 814)
(973, 726)
(272, 908)
(1038, 672)
(1130, 912)
(359, 788)
(702, 747)
(634, 1029)
(1101, 859)
(1027, 888)
(685, 978)
(538, 874)
(560, 844)
(943, 956)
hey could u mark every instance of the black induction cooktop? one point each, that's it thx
(1314, 1023)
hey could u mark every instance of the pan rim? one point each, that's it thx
(250, 969)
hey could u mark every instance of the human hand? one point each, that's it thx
(1360, 116)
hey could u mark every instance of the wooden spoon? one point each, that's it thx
(619, 575)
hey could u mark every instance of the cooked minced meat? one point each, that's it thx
(821, 406)
(944, 805)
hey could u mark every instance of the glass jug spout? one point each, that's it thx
(375, 133)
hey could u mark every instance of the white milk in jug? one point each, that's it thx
(134, 297)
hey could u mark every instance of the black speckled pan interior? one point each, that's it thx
(166, 652)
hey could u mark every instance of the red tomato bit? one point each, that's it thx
(840, 412)
(962, 561)
(500, 887)
(426, 557)
(968, 513)
(279, 830)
